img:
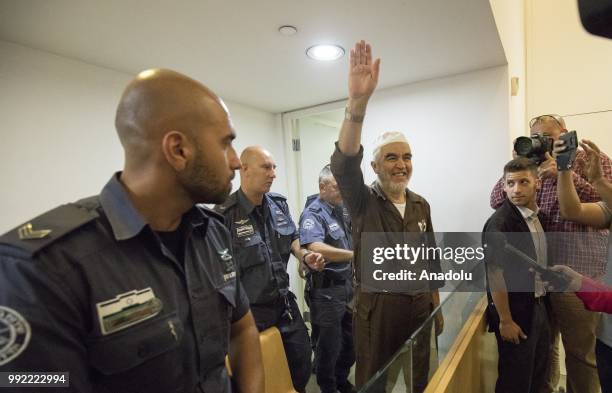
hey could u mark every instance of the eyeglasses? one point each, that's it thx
(540, 118)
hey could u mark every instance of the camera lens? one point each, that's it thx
(523, 145)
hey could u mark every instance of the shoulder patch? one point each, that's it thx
(308, 224)
(15, 334)
(33, 236)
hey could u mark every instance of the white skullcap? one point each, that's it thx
(386, 138)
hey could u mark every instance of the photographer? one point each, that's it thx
(598, 215)
(576, 325)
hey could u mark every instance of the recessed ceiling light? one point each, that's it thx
(325, 52)
(287, 30)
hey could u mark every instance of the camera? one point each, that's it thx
(534, 147)
(565, 159)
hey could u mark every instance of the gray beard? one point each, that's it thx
(390, 188)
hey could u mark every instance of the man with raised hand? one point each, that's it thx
(382, 321)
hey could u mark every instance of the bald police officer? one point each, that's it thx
(264, 236)
(325, 228)
(135, 290)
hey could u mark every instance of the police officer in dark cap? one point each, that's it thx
(135, 289)
(325, 228)
(264, 236)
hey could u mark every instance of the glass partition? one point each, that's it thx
(398, 375)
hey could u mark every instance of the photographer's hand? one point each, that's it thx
(593, 164)
(548, 168)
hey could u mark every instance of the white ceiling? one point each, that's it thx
(234, 47)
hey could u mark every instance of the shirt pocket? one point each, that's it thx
(249, 252)
(255, 272)
(144, 353)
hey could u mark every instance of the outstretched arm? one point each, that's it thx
(363, 78)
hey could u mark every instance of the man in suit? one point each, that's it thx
(517, 313)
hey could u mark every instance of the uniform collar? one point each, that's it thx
(244, 202)
(326, 206)
(125, 220)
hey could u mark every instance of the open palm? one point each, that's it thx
(593, 162)
(363, 73)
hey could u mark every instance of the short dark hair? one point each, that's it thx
(521, 164)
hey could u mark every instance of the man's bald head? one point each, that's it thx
(158, 101)
(177, 135)
(549, 125)
(258, 170)
(253, 154)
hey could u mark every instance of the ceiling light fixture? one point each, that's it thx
(287, 30)
(325, 52)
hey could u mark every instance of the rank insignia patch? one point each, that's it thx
(127, 309)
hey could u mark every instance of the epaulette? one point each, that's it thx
(275, 195)
(314, 207)
(211, 213)
(229, 202)
(310, 199)
(48, 228)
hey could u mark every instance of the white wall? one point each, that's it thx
(510, 20)
(568, 70)
(58, 138)
(458, 131)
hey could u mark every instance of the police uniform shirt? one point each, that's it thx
(102, 298)
(262, 239)
(321, 222)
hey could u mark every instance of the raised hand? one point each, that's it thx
(363, 73)
(548, 168)
(593, 162)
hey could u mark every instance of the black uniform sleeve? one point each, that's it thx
(242, 302)
(48, 324)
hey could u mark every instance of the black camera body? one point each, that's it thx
(565, 159)
(534, 147)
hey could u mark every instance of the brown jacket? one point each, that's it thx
(371, 211)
